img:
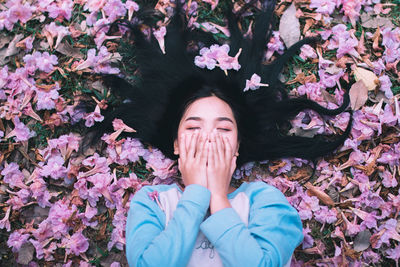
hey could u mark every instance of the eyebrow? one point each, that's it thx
(218, 119)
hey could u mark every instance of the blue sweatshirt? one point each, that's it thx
(175, 228)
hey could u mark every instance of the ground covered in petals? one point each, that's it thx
(65, 208)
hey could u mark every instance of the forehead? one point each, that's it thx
(209, 108)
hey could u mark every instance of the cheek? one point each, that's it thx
(232, 139)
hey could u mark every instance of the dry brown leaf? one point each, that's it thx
(361, 47)
(367, 21)
(358, 95)
(375, 39)
(68, 50)
(289, 26)
(327, 96)
(321, 195)
(368, 77)
(11, 50)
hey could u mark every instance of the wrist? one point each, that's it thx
(218, 202)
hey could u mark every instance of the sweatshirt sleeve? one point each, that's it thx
(274, 230)
(149, 244)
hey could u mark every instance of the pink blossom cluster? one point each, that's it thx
(217, 56)
(254, 83)
(52, 31)
(391, 42)
(46, 99)
(99, 63)
(307, 52)
(44, 62)
(350, 8)
(60, 9)
(275, 45)
(343, 40)
(16, 11)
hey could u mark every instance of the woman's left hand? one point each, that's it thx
(221, 163)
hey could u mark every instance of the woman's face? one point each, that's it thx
(207, 114)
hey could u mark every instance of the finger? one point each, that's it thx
(214, 154)
(192, 145)
(200, 147)
(182, 147)
(188, 136)
(204, 153)
(199, 144)
(228, 148)
(233, 164)
(220, 148)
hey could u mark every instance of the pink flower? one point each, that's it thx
(343, 41)
(161, 165)
(99, 63)
(44, 231)
(46, 61)
(386, 86)
(18, 12)
(114, 9)
(307, 205)
(275, 45)
(16, 240)
(132, 7)
(307, 52)
(254, 83)
(394, 253)
(217, 56)
(21, 132)
(323, 6)
(115, 264)
(378, 66)
(390, 157)
(61, 8)
(93, 116)
(94, 5)
(59, 214)
(117, 239)
(76, 244)
(213, 3)
(87, 216)
(54, 168)
(43, 62)
(312, 90)
(308, 241)
(132, 149)
(325, 215)
(53, 30)
(101, 182)
(159, 35)
(389, 179)
(328, 80)
(40, 192)
(45, 100)
(5, 223)
(13, 176)
(351, 9)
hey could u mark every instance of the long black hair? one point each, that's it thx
(169, 82)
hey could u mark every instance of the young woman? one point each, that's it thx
(209, 222)
(207, 120)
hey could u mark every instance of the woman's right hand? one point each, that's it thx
(193, 149)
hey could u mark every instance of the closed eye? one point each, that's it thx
(226, 130)
(192, 128)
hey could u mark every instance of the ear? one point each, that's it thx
(176, 149)
(237, 149)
